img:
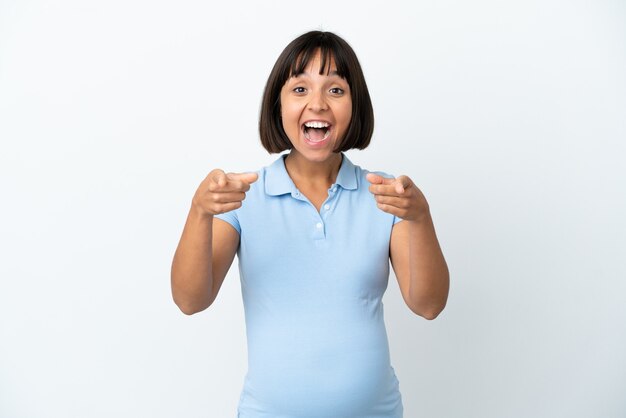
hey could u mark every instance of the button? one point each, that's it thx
(318, 225)
(335, 189)
(326, 207)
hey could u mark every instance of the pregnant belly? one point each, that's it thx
(343, 377)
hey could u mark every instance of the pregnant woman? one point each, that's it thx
(314, 238)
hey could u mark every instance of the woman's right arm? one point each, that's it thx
(208, 245)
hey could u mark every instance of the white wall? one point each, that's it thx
(510, 117)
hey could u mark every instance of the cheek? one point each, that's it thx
(289, 120)
(286, 109)
(287, 115)
(347, 113)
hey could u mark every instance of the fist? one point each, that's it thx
(222, 192)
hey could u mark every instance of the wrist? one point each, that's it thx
(423, 217)
(197, 212)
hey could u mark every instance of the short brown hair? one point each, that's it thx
(292, 62)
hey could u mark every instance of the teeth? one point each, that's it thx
(315, 124)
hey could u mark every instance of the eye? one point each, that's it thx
(337, 90)
(299, 90)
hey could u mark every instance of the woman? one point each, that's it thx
(314, 239)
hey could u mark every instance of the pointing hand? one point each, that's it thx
(398, 196)
(222, 192)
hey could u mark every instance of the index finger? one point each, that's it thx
(221, 182)
(240, 182)
(246, 177)
(378, 179)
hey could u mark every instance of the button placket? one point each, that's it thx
(318, 230)
(319, 227)
(326, 210)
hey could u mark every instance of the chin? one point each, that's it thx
(316, 155)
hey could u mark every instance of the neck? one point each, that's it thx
(312, 173)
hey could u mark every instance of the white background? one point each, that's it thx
(510, 117)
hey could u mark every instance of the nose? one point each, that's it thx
(318, 102)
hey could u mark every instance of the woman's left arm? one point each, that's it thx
(414, 250)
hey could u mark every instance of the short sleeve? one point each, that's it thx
(231, 218)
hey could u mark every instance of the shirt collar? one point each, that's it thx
(277, 180)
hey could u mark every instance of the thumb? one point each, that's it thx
(245, 177)
(399, 186)
(402, 183)
(218, 177)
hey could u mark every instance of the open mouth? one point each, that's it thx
(316, 131)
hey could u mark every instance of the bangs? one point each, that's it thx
(328, 51)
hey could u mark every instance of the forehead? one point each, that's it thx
(320, 60)
(323, 64)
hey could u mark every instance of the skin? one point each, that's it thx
(208, 245)
(313, 96)
(414, 250)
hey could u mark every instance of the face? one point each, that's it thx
(316, 110)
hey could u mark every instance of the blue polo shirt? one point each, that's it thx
(312, 284)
